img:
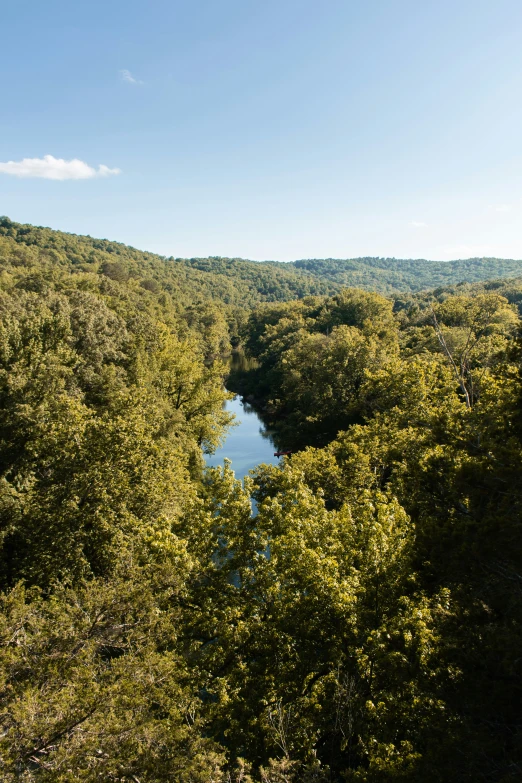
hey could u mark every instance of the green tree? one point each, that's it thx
(94, 687)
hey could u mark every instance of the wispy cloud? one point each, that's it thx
(129, 78)
(418, 224)
(502, 207)
(50, 167)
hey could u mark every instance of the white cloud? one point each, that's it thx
(50, 167)
(502, 207)
(418, 224)
(128, 77)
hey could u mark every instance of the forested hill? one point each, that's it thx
(233, 281)
(392, 275)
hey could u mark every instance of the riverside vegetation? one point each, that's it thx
(364, 625)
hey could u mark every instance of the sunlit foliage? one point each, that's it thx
(352, 614)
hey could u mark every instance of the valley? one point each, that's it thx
(380, 639)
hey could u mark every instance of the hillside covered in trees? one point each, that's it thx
(393, 275)
(361, 622)
(237, 282)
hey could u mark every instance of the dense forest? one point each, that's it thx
(236, 282)
(360, 621)
(391, 275)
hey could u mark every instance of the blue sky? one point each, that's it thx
(267, 130)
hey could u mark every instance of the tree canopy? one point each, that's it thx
(351, 614)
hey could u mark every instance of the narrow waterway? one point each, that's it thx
(247, 444)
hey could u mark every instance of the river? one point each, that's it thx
(247, 444)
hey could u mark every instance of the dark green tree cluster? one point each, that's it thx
(433, 451)
(317, 360)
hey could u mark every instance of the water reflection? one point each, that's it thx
(248, 443)
(241, 363)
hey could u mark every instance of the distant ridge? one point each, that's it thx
(240, 282)
(394, 275)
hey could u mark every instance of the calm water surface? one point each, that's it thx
(247, 444)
